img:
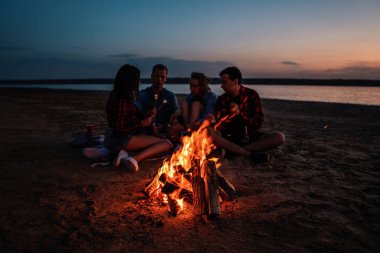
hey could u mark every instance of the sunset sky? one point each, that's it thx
(274, 38)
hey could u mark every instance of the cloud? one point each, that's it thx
(51, 67)
(126, 56)
(291, 63)
(6, 46)
(78, 48)
(360, 70)
(176, 67)
(32, 66)
(13, 48)
(46, 67)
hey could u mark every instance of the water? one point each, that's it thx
(336, 94)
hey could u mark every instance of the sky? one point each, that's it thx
(44, 39)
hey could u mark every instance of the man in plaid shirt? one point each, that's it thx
(238, 115)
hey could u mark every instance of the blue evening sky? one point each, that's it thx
(274, 38)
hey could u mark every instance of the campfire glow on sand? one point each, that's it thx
(191, 176)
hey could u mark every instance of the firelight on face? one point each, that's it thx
(195, 88)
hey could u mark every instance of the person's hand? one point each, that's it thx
(234, 109)
(155, 130)
(153, 112)
(210, 117)
(173, 119)
(187, 126)
(147, 121)
(174, 131)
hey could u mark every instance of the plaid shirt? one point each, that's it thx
(251, 114)
(122, 115)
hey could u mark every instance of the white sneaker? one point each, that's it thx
(94, 153)
(122, 154)
(130, 164)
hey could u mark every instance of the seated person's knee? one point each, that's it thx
(280, 138)
(168, 144)
(184, 104)
(196, 106)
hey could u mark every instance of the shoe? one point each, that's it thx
(260, 157)
(122, 154)
(95, 153)
(130, 164)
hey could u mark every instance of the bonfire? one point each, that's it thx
(191, 177)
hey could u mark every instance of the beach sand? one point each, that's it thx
(319, 193)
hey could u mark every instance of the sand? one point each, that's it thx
(319, 193)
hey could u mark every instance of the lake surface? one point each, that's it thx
(336, 94)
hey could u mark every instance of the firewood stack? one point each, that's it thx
(203, 186)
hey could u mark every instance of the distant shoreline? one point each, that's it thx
(180, 80)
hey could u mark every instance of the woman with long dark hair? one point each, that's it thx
(126, 123)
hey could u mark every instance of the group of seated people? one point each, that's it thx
(146, 123)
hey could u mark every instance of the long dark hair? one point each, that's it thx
(126, 83)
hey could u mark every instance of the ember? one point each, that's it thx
(191, 176)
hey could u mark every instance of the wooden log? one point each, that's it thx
(228, 190)
(211, 187)
(163, 178)
(174, 207)
(199, 195)
(169, 187)
(152, 186)
(223, 195)
(186, 195)
(172, 184)
(181, 170)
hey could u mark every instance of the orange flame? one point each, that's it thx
(176, 170)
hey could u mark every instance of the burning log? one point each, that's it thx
(182, 178)
(211, 189)
(152, 186)
(199, 195)
(181, 170)
(169, 184)
(174, 207)
(205, 189)
(187, 196)
(227, 190)
(169, 187)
